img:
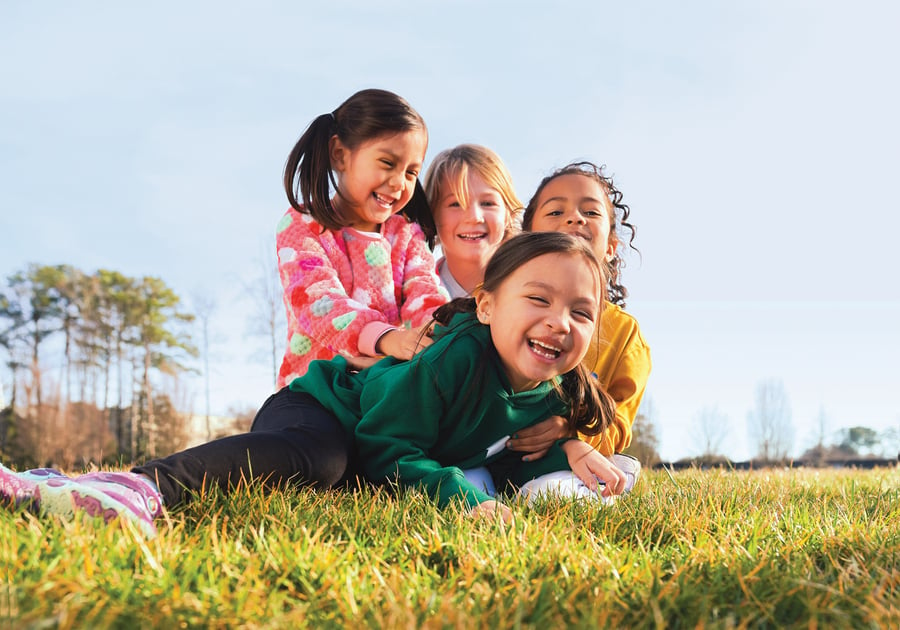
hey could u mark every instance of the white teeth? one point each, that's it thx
(471, 237)
(384, 201)
(552, 352)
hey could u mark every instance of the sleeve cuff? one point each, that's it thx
(371, 333)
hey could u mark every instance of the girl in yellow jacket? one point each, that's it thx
(580, 199)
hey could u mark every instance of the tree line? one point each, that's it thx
(771, 434)
(119, 336)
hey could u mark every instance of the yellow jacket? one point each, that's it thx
(620, 359)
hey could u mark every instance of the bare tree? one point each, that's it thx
(711, 429)
(267, 320)
(205, 305)
(820, 451)
(890, 440)
(821, 427)
(769, 424)
(645, 439)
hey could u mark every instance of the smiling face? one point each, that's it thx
(577, 205)
(377, 178)
(542, 317)
(470, 229)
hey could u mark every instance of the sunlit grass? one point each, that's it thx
(795, 548)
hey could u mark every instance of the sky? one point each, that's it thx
(753, 142)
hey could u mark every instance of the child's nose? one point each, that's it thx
(396, 181)
(558, 321)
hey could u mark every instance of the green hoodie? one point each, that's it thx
(420, 422)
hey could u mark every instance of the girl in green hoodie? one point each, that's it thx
(499, 362)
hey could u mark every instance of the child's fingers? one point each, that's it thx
(491, 509)
(612, 477)
(539, 437)
(422, 342)
(530, 444)
(535, 455)
(616, 482)
(586, 475)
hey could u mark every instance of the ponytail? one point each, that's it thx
(308, 175)
(592, 409)
(444, 313)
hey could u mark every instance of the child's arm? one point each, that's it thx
(319, 307)
(534, 441)
(589, 465)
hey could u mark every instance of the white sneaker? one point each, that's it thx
(563, 484)
(628, 465)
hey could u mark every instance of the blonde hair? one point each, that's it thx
(452, 166)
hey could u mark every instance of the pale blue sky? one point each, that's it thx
(752, 140)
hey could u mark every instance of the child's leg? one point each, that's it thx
(562, 484)
(293, 439)
(481, 478)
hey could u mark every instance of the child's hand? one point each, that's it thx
(402, 343)
(588, 465)
(490, 509)
(536, 440)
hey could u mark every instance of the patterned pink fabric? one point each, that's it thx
(336, 283)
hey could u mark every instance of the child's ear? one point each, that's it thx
(611, 244)
(484, 304)
(337, 152)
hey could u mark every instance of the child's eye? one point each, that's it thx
(538, 299)
(554, 213)
(583, 315)
(591, 212)
(387, 163)
(453, 204)
(412, 174)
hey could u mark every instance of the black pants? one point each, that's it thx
(293, 439)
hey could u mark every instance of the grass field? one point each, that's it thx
(715, 549)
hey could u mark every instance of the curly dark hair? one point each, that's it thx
(619, 224)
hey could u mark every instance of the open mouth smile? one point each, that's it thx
(385, 202)
(583, 235)
(472, 236)
(544, 350)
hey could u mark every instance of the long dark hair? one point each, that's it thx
(618, 220)
(367, 115)
(591, 409)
